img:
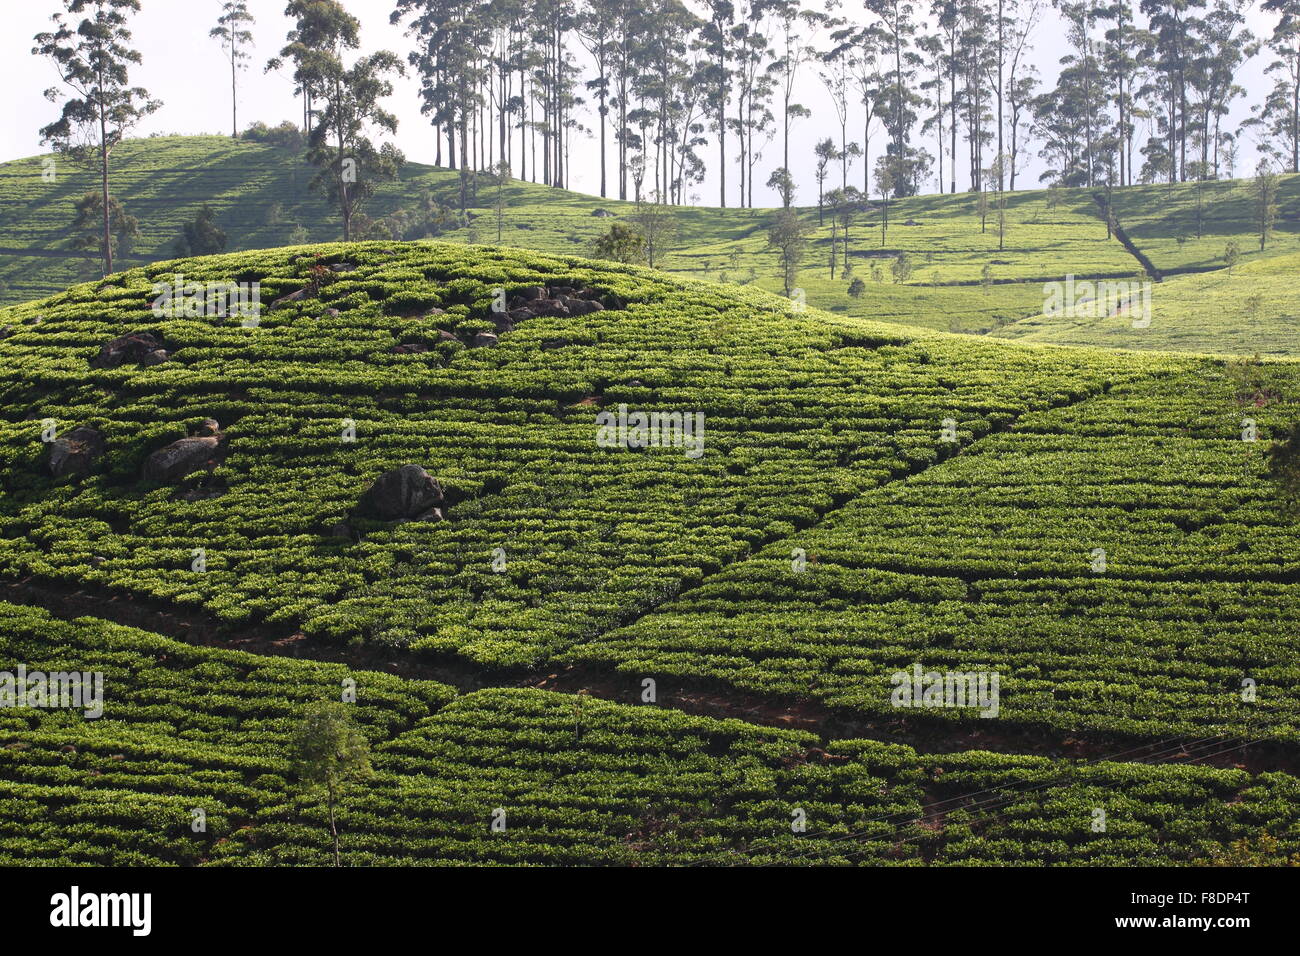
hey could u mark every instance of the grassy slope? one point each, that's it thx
(260, 195)
(1255, 308)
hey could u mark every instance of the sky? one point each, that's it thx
(188, 71)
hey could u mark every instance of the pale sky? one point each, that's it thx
(188, 71)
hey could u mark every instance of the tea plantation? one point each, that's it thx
(568, 651)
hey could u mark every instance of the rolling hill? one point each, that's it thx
(624, 650)
(959, 278)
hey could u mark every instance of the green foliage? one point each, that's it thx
(202, 237)
(621, 244)
(1284, 466)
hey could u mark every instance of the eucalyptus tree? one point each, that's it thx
(1279, 114)
(1169, 48)
(899, 28)
(602, 28)
(754, 88)
(449, 35)
(835, 69)
(714, 40)
(232, 30)
(948, 26)
(349, 165)
(869, 82)
(935, 57)
(1120, 63)
(90, 47)
(1083, 95)
(794, 48)
(1223, 44)
(825, 152)
(978, 53)
(1022, 88)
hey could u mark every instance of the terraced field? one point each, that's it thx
(868, 499)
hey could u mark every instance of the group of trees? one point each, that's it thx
(1144, 92)
(91, 49)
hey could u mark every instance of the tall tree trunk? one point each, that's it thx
(234, 98)
(107, 258)
(334, 830)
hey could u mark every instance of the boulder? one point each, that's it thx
(75, 452)
(180, 458)
(132, 347)
(548, 307)
(409, 348)
(483, 340)
(502, 321)
(548, 344)
(583, 306)
(602, 214)
(403, 493)
(209, 427)
(291, 297)
(445, 336)
(532, 292)
(156, 357)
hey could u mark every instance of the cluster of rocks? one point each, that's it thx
(538, 301)
(142, 348)
(529, 303)
(200, 451)
(75, 453)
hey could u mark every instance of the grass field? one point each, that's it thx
(870, 498)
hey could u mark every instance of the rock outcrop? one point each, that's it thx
(75, 453)
(144, 348)
(405, 493)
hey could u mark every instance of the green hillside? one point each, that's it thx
(866, 499)
(959, 279)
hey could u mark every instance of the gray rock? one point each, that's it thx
(290, 298)
(405, 492)
(548, 307)
(132, 347)
(484, 340)
(583, 306)
(75, 453)
(156, 357)
(180, 458)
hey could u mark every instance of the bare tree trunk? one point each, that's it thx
(107, 259)
(334, 830)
